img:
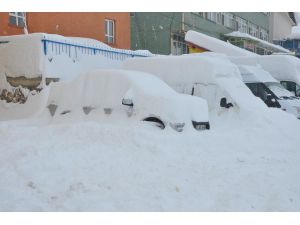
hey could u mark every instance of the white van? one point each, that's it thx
(284, 68)
(211, 77)
(264, 86)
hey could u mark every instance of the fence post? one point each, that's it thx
(45, 46)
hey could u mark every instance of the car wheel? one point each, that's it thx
(157, 122)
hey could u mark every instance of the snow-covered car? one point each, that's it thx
(138, 95)
(209, 76)
(264, 86)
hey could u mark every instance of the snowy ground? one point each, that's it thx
(244, 163)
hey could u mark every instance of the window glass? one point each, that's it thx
(109, 31)
(17, 18)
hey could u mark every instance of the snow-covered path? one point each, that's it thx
(243, 165)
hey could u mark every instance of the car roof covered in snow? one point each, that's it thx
(281, 67)
(186, 69)
(255, 74)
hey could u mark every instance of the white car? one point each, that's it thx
(264, 86)
(138, 95)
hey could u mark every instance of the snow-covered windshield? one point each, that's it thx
(278, 89)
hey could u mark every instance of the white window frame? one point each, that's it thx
(17, 16)
(109, 37)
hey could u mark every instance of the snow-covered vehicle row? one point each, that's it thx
(138, 95)
(210, 76)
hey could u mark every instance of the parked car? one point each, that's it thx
(284, 68)
(209, 76)
(138, 95)
(264, 86)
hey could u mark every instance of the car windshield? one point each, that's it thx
(278, 90)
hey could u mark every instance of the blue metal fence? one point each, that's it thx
(59, 47)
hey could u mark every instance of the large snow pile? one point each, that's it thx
(56, 56)
(214, 44)
(247, 163)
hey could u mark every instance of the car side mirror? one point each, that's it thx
(127, 101)
(224, 104)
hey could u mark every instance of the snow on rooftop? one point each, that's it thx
(214, 44)
(250, 37)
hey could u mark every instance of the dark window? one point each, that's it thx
(17, 18)
(264, 93)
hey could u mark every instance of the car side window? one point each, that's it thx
(254, 88)
(289, 85)
(297, 90)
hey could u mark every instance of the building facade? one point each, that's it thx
(111, 28)
(146, 27)
(280, 25)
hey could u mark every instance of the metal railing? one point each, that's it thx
(59, 47)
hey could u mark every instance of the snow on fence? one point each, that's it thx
(39, 56)
(59, 47)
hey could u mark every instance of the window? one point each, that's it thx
(228, 20)
(178, 44)
(263, 34)
(212, 16)
(17, 18)
(241, 25)
(109, 31)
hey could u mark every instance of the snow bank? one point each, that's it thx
(247, 163)
(56, 56)
(22, 55)
(214, 44)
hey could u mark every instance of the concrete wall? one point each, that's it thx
(193, 21)
(280, 25)
(83, 24)
(152, 30)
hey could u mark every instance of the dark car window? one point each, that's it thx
(262, 91)
(289, 85)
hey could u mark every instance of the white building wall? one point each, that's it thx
(280, 25)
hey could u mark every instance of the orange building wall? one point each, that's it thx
(81, 24)
(6, 28)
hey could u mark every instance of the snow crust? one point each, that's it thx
(215, 45)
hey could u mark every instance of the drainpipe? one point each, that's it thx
(25, 24)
